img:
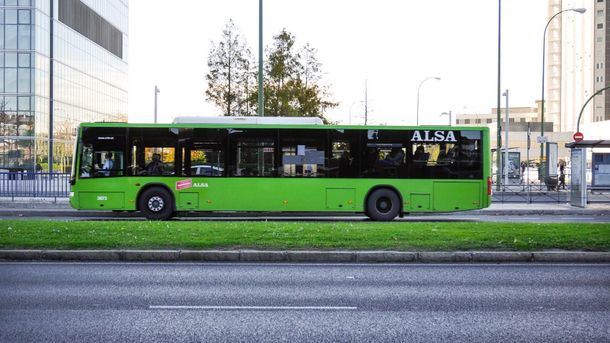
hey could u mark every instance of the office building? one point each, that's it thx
(576, 63)
(62, 62)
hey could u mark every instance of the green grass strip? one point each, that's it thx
(406, 236)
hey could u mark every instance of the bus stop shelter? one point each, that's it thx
(578, 152)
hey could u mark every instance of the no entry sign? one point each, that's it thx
(578, 136)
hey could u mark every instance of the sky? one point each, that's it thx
(392, 44)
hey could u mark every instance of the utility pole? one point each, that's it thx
(366, 102)
(506, 129)
(261, 95)
(51, 77)
(156, 92)
(498, 118)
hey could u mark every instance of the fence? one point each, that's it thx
(28, 184)
(57, 185)
(535, 192)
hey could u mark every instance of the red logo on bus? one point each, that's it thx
(184, 184)
(578, 136)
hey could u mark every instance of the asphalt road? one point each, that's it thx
(316, 303)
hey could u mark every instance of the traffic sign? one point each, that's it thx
(578, 136)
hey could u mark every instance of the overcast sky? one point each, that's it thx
(394, 44)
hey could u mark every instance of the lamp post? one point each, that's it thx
(449, 114)
(585, 105)
(506, 129)
(350, 110)
(261, 95)
(577, 10)
(156, 92)
(418, 89)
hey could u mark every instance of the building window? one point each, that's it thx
(522, 120)
(599, 39)
(600, 13)
(600, 26)
(511, 120)
(489, 121)
(477, 121)
(466, 121)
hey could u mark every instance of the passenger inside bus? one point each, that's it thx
(156, 166)
(108, 165)
(420, 155)
(395, 158)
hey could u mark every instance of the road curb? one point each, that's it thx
(302, 256)
(9, 212)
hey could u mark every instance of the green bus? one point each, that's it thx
(249, 165)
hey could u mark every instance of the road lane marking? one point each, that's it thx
(254, 308)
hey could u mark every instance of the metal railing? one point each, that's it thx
(29, 184)
(535, 192)
(532, 192)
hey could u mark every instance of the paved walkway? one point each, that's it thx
(61, 205)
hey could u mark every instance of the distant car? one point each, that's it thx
(206, 170)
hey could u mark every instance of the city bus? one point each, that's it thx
(251, 164)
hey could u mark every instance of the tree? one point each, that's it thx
(229, 75)
(293, 84)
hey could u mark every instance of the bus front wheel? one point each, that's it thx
(156, 204)
(382, 205)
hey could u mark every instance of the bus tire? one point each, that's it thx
(156, 204)
(383, 205)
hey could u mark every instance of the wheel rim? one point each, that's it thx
(384, 205)
(156, 203)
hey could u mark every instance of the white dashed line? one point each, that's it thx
(257, 308)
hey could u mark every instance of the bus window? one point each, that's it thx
(153, 151)
(341, 160)
(344, 158)
(303, 153)
(159, 160)
(384, 154)
(206, 161)
(102, 152)
(434, 160)
(469, 155)
(252, 152)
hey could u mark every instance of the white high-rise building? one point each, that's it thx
(576, 63)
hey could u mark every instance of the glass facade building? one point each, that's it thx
(55, 74)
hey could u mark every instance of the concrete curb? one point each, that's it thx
(71, 213)
(301, 256)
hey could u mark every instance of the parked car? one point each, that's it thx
(206, 170)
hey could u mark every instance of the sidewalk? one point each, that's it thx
(60, 206)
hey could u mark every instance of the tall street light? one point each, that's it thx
(156, 92)
(577, 10)
(449, 114)
(419, 88)
(261, 99)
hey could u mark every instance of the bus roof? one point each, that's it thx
(248, 120)
(284, 126)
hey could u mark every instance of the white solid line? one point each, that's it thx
(331, 308)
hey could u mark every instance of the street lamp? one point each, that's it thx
(577, 10)
(157, 91)
(418, 89)
(350, 110)
(449, 114)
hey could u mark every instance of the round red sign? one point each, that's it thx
(578, 136)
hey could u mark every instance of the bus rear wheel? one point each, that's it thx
(383, 205)
(156, 204)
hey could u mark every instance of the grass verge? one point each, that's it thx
(406, 236)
